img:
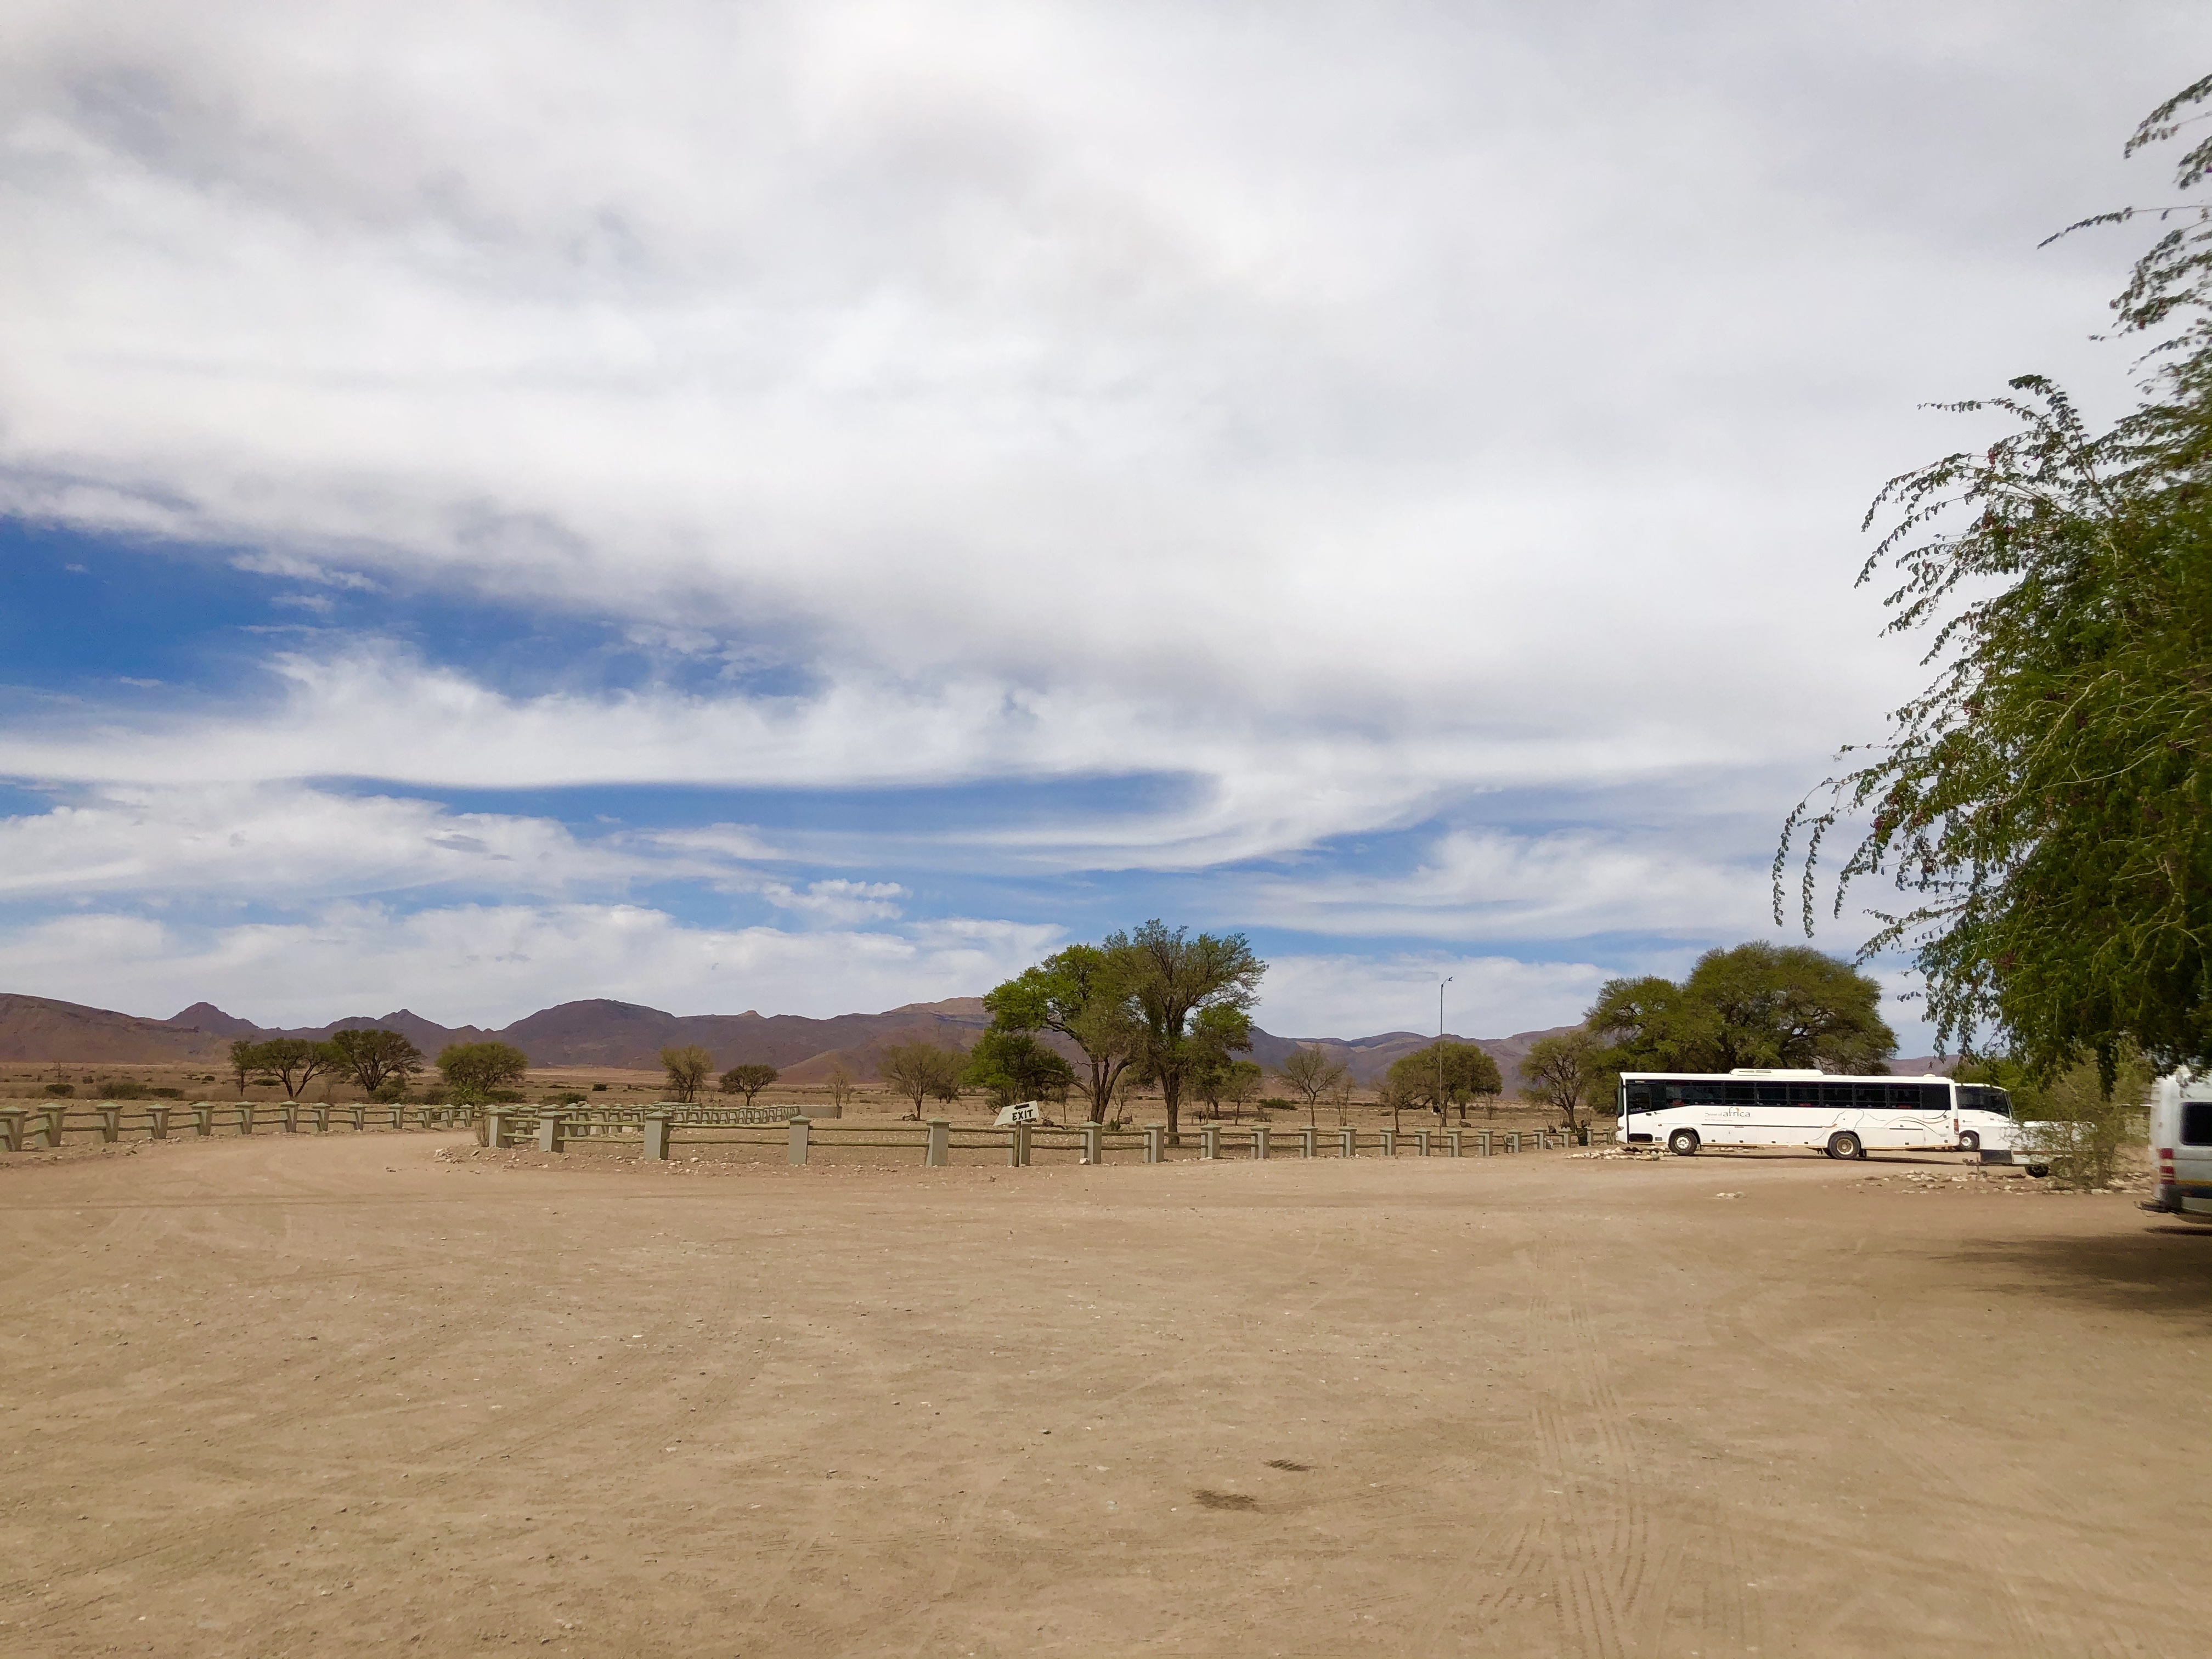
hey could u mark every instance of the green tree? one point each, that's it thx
(920, 1070)
(1757, 1004)
(2046, 804)
(380, 1062)
(1082, 993)
(1442, 1075)
(295, 1061)
(1193, 996)
(1241, 1084)
(1013, 1066)
(474, 1070)
(2080, 1126)
(748, 1080)
(244, 1060)
(688, 1069)
(1566, 1071)
(1311, 1073)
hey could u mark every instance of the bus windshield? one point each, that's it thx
(1985, 1098)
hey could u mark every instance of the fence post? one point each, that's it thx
(291, 1117)
(203, 1119)
(159, 1128)
(801, 1127)
(323, 1119)
(549, 1139)
(1390, 1138)
(360, 1120)
(57, 1120)
(1482, 1141)
(1452, 1138)
(1209, 1141)
(246, 1117)
(494, 1127)
(1513, 1141)
(654, 1148)
(1351, 1139)
(1091, 1153)
(111, 1120)
(1155, 1137)
(1306, 1142)
(1421, 1139)
(939, 1151)
(1259, 1140)
(11, 1129)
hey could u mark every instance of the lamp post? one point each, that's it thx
(1442, 1116)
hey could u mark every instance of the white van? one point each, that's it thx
(2181, 1144)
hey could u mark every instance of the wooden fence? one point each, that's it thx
(650, 1132)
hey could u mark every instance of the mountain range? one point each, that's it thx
(602, 1032)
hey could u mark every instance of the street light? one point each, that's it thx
(1441, 1115)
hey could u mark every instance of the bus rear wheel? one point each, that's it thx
(1970, 1142)
(1683, 1143)
(1845, 1144)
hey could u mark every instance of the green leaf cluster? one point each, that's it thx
(1758, 1005)
(2046, 805)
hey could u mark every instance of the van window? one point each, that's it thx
(2197, 1122)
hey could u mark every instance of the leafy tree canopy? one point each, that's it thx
(748, 1080)
(688, 1068)
(473, 1070)
(1193, 996)
(1462, 1070)
(377, 1059)
(922, 1070)
(1084, 994)
(1013, 1066)
(1758, 1005)
(2046, 805)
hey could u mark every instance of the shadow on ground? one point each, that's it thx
(2162, 1268)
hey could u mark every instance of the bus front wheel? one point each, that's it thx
(1844, 1145)
(1683, 1143)
(1970, 1142)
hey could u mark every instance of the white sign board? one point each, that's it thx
(1022, 1111)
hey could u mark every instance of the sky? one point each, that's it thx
(814, 506)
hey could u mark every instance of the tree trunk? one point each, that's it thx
(1171, 1095)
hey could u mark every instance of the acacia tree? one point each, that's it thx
(1442, 1075)
(376, 1059)
(473, 1070)
(688, 1069)
(1311, 1073)
(295, 1061)
(1013, 1066)
(1193, 996)
(1756, 1005)
(748, 1080)
(1566, 1070)
(2046, 804)
(1083, 994)
(920, 1070)
(244, 1060)
(1241, 1086)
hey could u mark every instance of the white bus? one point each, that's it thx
(1839, 1116)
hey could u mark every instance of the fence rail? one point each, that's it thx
(653, 1130)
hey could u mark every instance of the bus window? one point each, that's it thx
(1835, 1094)
(1639, 1096)
(1773, 1094)
(1914, 1097)
(1870, 1094)
(1803, 1094)
(1982, 1098)
(1741, 1094)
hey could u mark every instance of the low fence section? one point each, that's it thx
(653, 1130)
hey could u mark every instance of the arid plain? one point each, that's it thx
(390, 1394)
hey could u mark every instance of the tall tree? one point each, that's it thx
(1194, 997)
(688, 1069)
(748, 1079)
(295, 1061)
(2046, 804)
(1566, 1073)
(244, 1060)
(474, 1070)
(1442, 1075)
(922, 1070)
(1082, 993)
(374, 1059)
(1757, 1004)
(1311, 1074)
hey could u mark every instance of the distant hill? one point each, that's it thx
(604, 1032)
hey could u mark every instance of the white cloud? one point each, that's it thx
(839, 900)
(1491, 885)
(487, 965)
(1354, 996)
(289, 844)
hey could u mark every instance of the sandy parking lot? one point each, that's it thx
(345, 1396)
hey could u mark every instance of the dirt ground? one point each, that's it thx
(386, 1395)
